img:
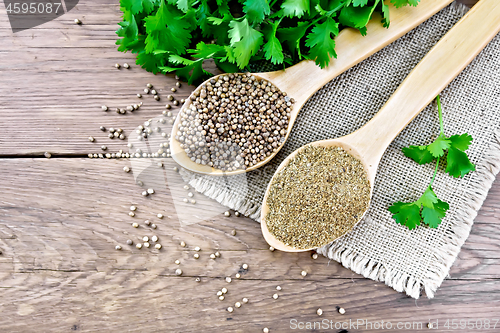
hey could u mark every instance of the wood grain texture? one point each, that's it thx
(61, 218)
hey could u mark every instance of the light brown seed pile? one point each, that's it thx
(317, 197)
(234, 121)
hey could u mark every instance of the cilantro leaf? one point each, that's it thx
(401, 3)
(457, 163)
(419, 154)
(438, 147)
(356, 17)
(129, 31)
(167, 28)
(460, 142)
(428, 198)
(272, 48)
(433, 216)
(139, 6)
(245, 41)
(256, 10)
(407, 214)
(292, 36)
(321, 41)
(385, 15)
(296, 8)
(358, 3)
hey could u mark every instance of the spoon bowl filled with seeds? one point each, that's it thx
(235, 123)
(322, 190)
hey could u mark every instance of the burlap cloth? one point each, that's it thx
(378, 247)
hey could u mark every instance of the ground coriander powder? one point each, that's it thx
(319, 196)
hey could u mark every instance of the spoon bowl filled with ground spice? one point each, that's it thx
(323, 189)
(235, 123)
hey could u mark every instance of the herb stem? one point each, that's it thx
(435, 172)
(440, 112)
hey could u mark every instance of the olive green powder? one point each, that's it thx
(319, 196)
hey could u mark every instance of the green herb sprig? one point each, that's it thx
(429, 208)
(178, 35)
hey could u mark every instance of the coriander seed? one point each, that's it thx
(158, 246)
(183, 244)
(125, 65)
(129, 242)
(178, 271)
(245, 300)
(221, 298)
(104, 108)
(341, 311)
(118, 247)
(224, 290)
(135, 225)
(230, 309)
(138, 245)
(319, 312)
(275, 296)
(77, 21)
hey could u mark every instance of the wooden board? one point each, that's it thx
(61, 218)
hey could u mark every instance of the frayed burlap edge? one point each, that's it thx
(445, 255)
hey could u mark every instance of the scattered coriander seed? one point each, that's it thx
(237, 214)
(197, 249)
(104, 108)
(146, 244)
(151, 191)
(271, 248)
(108, 155)
(192, 201)
(244, 266)
(139, 96)
(314, 256)
(111, 136)
(221, 298)
(138, 245)
(145, 238)
(183, 244)
(303, 273)
(224, 290)
(186, 187)
(278, 288)
(177, 262)
(129, 242)
(228, 279)
(91, 139)
(154, 239)
(145, 193)
(77, 21)
(217, 254)
(135, 106)
(190, 194)
(160, 164)
(175, 169)
(170, 97)
(147, 222)
(245, 300)
(102, 128)
(154, 92)
(177, 77)
(146, 90)
(90, 155)
(429, 325)
(140, 183)
(118, 247)
(135, 225)
(227, 213)
(173, 90)
(149, 85)
(169, 114)
(49, 155)
(153, 226)
(157, 98)
(168, 106)
(342, 311)
(125, 65)
(160, 216)
(117, 66)
(175, 103)
(116, 134)
(233, 232)
(122, 137)
(178, 271)
(197, 279)
(132, 214)
(265, 330)
(275, 296)
(183, 100)
(319, 312)
(238, 275)
(212, 256)
(178, 84)
(104, 147)
(196, 256)
(230, 309)
(133, 208)
(237, 305)
(219, 293)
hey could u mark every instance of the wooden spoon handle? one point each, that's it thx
(302, 80)
(434, 72)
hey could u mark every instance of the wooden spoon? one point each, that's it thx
(434, 72)
(302, 80)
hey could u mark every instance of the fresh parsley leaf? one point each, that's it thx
(256, 10)
(321, 41)
(245, 41)
(296, 8)
(419, 154)
(460, 142)
(407, 214)
(439, 146)
(457, 163)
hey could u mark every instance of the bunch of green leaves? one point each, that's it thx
(178, 35)
(429, 208)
